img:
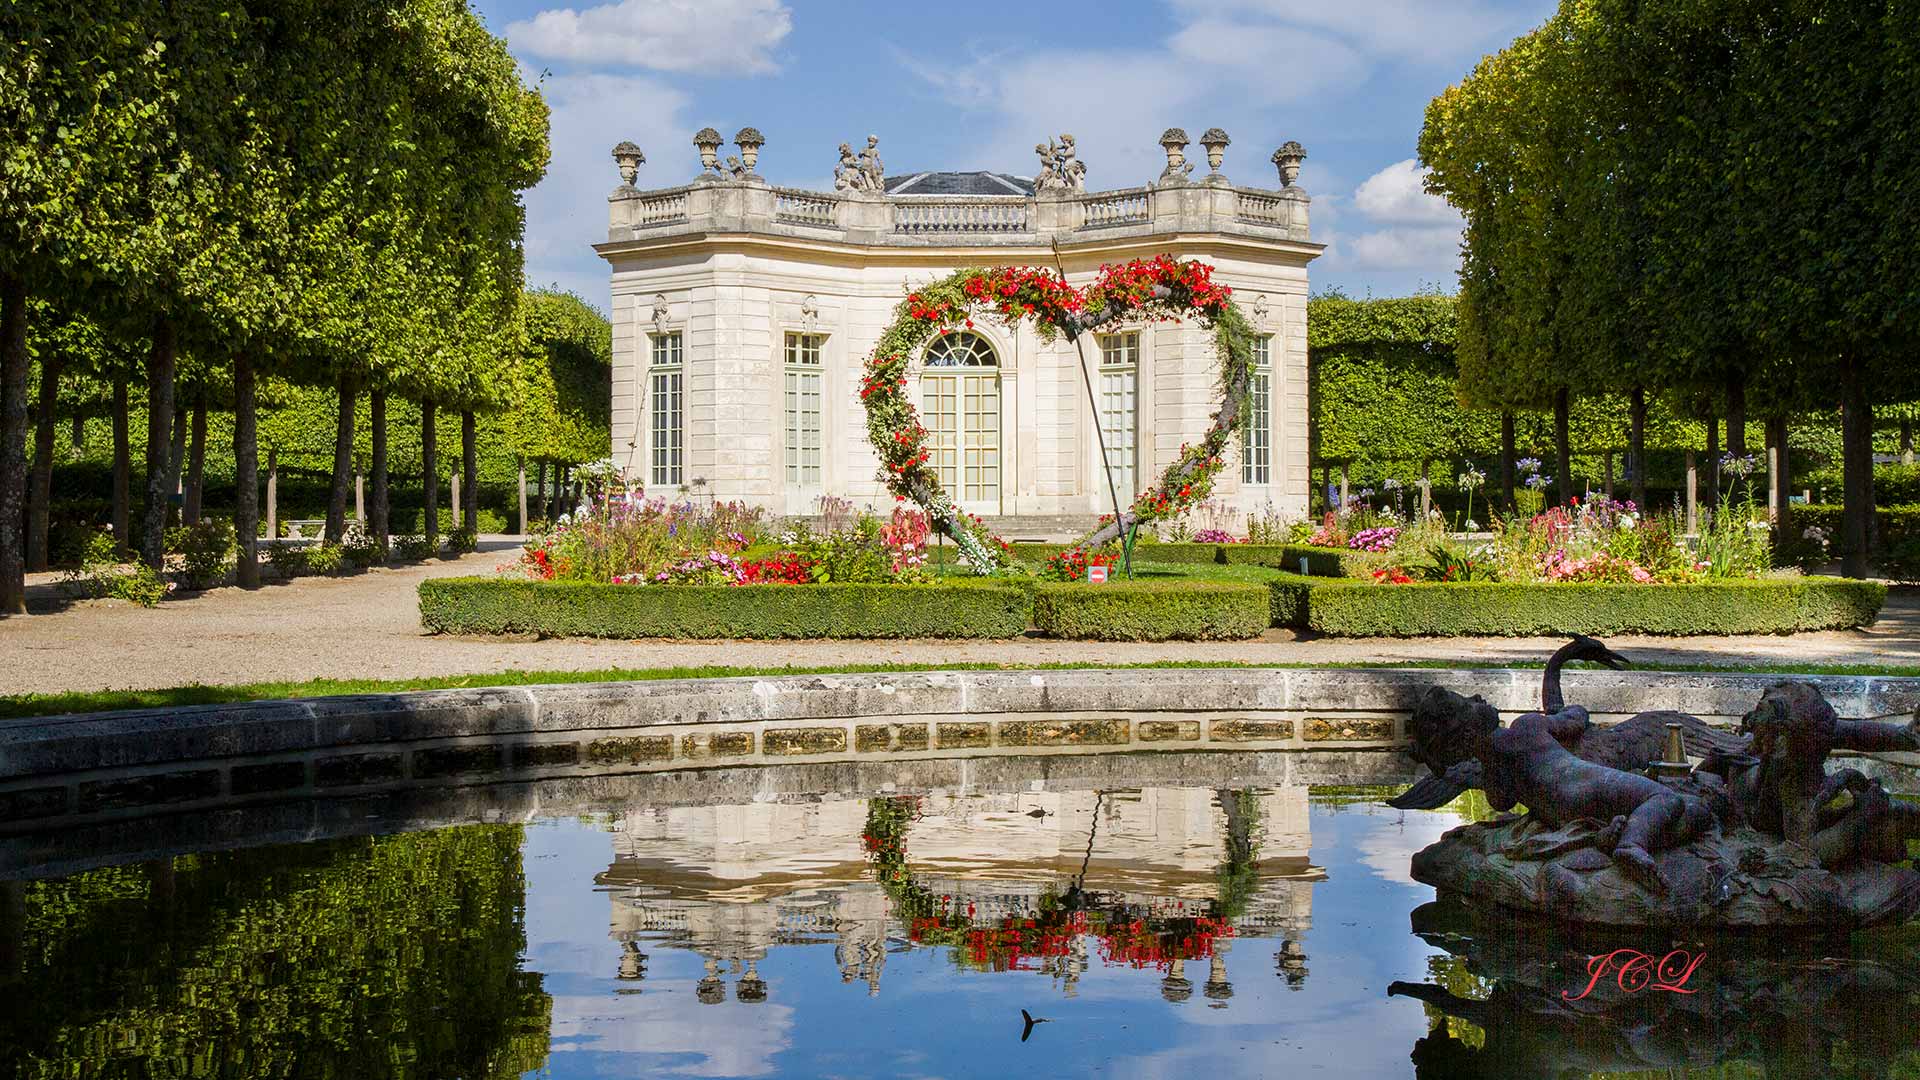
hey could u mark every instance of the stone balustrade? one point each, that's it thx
(867, 218)
(962, 215)
(796, 207)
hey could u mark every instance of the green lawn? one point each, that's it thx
(28, 705)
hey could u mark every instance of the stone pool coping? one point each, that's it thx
(87, 768)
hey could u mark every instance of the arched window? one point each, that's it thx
(960, 405)
(960, 350)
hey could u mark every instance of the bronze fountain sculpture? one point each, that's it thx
(1622, 828)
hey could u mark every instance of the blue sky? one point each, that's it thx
(974, 86)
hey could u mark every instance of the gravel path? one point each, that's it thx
(368, 626)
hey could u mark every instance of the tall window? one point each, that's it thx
(1119, 386)
(1256, 438)
(667, 432)
(803, 409)
(960, 405)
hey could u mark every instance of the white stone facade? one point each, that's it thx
(742, 315)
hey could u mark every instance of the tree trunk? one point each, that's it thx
(196, 463)
(13, 444)
(559, 486)
(1780, 474)
(430, 474)
(1606, 472)
(342, 463)
(1506, 460)
(122, 470)
(78, 437)
(1693, 495)
(470, 469)
(1637, 446)
(1856, 436)
(40, 482)
(1906, 442)
(540, 487)
(273, 493)
(176, 456)
(160, 370)
(1737, 416)
(380, 513)
(1713, 462)
(246, 473)
(520, 465)
(1563, 442)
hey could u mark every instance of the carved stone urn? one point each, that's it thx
(1216, 150)
(629, 158)
(709, 142)
(1174, 141)
(1287, 159)
(749, 141)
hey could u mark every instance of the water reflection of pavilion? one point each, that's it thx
(732, 882)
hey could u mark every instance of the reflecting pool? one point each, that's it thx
(1151, 929)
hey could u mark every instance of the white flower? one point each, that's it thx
(1627, 522)
(1472, 525)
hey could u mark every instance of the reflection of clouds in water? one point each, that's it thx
(724, 1040)
(566, 937)
(1388, 849)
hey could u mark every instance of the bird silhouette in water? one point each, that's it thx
(1031, 1020)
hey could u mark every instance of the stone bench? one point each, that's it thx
(305, 528)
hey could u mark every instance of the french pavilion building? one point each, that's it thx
(742, 314)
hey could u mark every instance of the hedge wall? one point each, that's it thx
(1891, 523)
(473, 605)
(1153, 611)
(1505, 609)
(1321, 561)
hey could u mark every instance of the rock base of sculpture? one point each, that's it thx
(1734, 880)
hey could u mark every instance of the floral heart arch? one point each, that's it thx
(1162, 289)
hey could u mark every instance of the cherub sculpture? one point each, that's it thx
(1072, 171)
(1048, 177)
(1060, 170)
(847, 175)
(876, 173)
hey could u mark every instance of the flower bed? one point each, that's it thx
(1153, 611)
(1523, 609)
(965, 609)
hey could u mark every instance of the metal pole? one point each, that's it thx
(1099, 431)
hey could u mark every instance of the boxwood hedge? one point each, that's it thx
(581, 609)
(1321, 561)
(1153, 611)
(1513, 609)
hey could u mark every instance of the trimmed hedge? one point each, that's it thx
(472, 605)
(1512, 609)
(1321, 561)
(1153, 611)
(1891, 523)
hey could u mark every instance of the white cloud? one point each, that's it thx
(1431, 250)
(1212, 74)
(722, 36)
(1396, 193)
(567, 210)
(1242, 55)
(1389, 224)
(1419, 29)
